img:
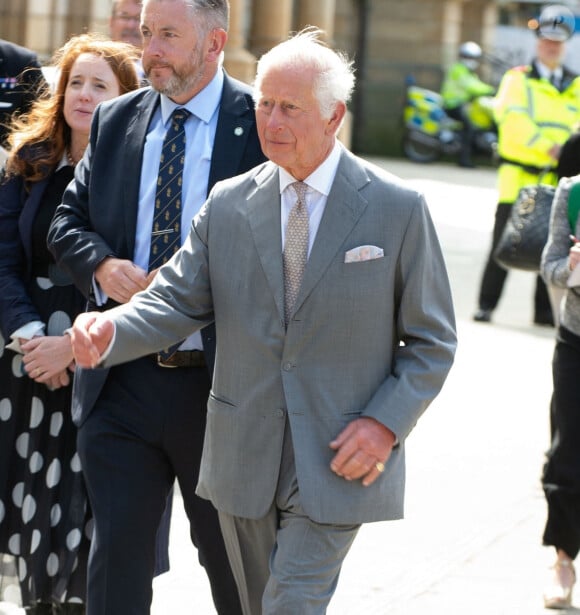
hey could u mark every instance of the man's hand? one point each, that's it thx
(363, 447)
(91, 335)
(120, 279)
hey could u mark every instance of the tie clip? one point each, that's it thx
(164, 232)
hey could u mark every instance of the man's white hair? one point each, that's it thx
(334, 74)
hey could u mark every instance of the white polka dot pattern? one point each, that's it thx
(53, 474)
(73, 540)
(18, 495)
(52, 565)
(5, 410)
(55, 515)
(35, 542)
(44, 283)
(36, 462)
(22, 443)
(14, 544)
(43, 506)
(57, 323)
(28, 509)
(36, 412)
(75, 463)
(18, 366)
(56, 421)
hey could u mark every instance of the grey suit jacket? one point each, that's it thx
(374, 338)
(98, 216)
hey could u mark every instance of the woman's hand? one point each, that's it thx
(574, 254)
(48, 359)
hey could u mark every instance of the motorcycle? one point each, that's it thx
(430, 133)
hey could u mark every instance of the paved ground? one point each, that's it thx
(470, 543)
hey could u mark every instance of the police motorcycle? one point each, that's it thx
(429, 133)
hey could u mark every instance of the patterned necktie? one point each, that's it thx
(295, 249)
(166, 231)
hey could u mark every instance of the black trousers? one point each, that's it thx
(147, 429)
(561, 475)
(494, 276)
(467, 131)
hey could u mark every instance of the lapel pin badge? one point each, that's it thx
(238, 131)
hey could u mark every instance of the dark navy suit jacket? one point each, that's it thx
(86, 230)
(17, 212)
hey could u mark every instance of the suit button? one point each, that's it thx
(287, 367)
(280, 413)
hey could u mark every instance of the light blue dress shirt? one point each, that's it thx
(200, 129)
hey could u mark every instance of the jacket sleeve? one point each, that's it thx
(554, 266)
(16, 307)
(76, 247)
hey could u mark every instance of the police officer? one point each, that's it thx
(536, 109)
(460, 87)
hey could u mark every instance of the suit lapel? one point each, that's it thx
(343, 209)
(235, 121)
(264, 218)
(136, 134)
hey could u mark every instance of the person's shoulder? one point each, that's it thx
(251, 178)
(236, 85)
(128, 101)
(372, 171)
(16, 54)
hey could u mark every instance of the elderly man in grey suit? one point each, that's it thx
(322, 367)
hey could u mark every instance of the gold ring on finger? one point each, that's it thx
(380, 466)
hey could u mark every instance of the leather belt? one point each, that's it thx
(182, 358)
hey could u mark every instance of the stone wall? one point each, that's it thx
(389, 39)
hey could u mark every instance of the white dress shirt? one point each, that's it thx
(319, 183)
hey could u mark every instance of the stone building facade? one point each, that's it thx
(388, 39)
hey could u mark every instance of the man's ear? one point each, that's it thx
(216, 42)
(336, 118)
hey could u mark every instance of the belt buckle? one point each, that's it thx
(163, 362)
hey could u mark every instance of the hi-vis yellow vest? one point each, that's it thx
(532, 116)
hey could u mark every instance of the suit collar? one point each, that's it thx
(235, 123)
(265, 219)
(135, 136)
(344, 207)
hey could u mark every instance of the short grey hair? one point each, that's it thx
(334, 80)
(115, 5)
(214, 13)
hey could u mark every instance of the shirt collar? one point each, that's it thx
(546, 73)
(203, 105)
(321, 178)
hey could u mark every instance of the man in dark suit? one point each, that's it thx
(20, 81)
(335, 330)
(142, 424)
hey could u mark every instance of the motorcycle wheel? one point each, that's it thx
(419, 147)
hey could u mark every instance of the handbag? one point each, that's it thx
(526, 231)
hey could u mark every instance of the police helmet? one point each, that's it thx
(470, 51)
(555, 23)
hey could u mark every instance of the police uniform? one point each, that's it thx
(535, 110)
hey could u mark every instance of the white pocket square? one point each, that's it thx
(363, 253)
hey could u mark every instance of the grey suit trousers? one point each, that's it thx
(285, 563)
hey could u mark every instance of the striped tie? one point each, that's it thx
(166, 231)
